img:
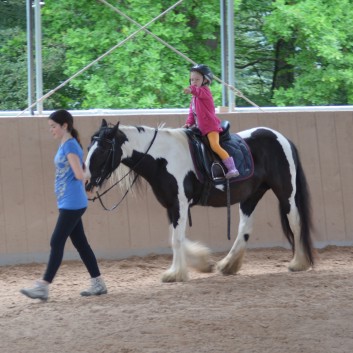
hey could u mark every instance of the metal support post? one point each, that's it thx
(38, 47)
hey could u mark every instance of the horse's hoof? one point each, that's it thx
(227, 268)
(170, 277)
(297, 267)
(223, 268)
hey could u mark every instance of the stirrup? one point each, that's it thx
(217, 171)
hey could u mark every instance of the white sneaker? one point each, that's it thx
(40, 290)
(97, 288)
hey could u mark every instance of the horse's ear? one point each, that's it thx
(104, 123)
(116, 128)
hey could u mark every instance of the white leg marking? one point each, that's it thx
(178, 271)
(185, 252)
(299, 261)
(231, 264)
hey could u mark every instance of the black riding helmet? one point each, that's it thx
(205, 71)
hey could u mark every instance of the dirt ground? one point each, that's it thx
(263, 309)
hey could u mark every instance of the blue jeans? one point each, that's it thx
(69, 224)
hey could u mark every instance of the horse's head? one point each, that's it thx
(104, 154)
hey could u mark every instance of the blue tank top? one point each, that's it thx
(70, 192)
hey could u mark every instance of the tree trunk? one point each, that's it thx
(283, 74)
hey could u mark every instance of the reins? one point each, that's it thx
(99, 196)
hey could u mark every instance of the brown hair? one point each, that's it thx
(61, 117)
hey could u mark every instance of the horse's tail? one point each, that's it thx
(303, 202)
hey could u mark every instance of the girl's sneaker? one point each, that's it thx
(97, 288)
(40, 290)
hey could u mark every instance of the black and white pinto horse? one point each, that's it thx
(162, 157)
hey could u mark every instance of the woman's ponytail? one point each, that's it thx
(76, 135)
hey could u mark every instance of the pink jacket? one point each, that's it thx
(207, 120)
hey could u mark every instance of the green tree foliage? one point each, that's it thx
(254, 54)
(13, 68)
(287, 52)
(141, 73)
(318, 52)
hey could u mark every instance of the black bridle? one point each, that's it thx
(112, 152)
(105, 172)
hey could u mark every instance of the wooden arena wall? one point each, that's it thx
(139, 226)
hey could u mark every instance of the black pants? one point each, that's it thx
(69, 224)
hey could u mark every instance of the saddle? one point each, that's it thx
(208, 165)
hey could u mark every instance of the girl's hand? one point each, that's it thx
(187, 90)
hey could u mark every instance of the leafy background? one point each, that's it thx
(286, 52)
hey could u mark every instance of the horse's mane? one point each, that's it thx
(124, 176)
